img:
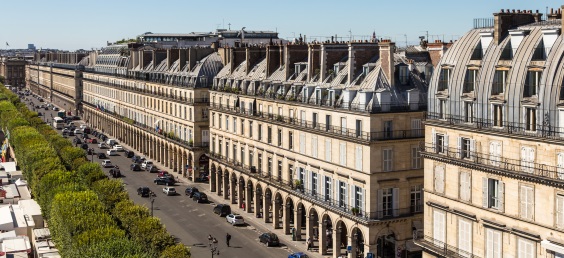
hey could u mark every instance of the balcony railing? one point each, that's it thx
(324, 128)
(489, 162)
(442, 249)
(152, 131)
(535, 130)
(317, 197)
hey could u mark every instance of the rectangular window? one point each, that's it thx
(415, 158)
(327, 123)
(227, 149)
(269, 167)
(442, 109)
(314, 184)
(242, 155)
(279, 170)
(343, 153)
(530, 119)
(439, 179)
(495, 153)
(528, 159)
(493, 194)
(343, 125)
(279, 137)
(314, 120)
(358, 160)
(259, 163)
(269, 135)
(219, 120)
(328, 189)
(532, 83)
(242, 127)
(493, 243)
(469, 112)
(525, 248)
(260, 132)
(470, 80)
(314, 146)
(465, 186)
(291, 140)
(416, 198)
(465, 148)
(499, 82)
(328, 149)
(227, 123)
(526, 202)
(213, 119)
(342, 194)
(358, 128)
(464, 237)
(220, 148)
(440, 143)
(358, 198)
(559, 210)
(497, 115)
(234, 152)
(234, 125)
(444, 78)
(388, 129)
(387, 202)
(387, 160)
(250, 129)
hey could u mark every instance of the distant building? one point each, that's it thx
(13, 70)
(221, 37)
(31, 46)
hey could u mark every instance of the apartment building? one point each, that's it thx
(13, 71)
(494, 149)
(322, 141)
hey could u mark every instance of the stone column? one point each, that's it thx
(265, 208)
(240, 198)
(298, 223)
(233, 186)
(336, 243)
(276, 214)
(322, 237)
(352, 243)
(218, 179)
(248, 200)
(225, 185)
(309, 227)
(286, 218)
(257, 203)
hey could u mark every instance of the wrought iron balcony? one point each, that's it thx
(487, 162)
(442, 249)
(323, 128)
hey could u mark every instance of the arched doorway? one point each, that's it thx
(267, 207)
(277, 212)
(258, 202)
(234, 189)
(202, 169)
(213, 187)
(340, 239)
(241, 193)
(226, 185)
(357, 243)
(300, 223)
(288, 223)
(386, 245)
(249, 197)
(312, 227)
(326, 234)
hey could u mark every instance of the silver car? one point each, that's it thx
(235, 219)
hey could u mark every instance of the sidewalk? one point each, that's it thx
(256, 223)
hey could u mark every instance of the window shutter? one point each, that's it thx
(380, 204)
(324, 178)
(501, 194)
(439, 227)
(464, 237)
(459, 148)
(352, 196)
(328, 150)
(395, 202)
(472, 148)
(434, 139)
(308, 184)
(336, 185)
(343, 153)
(314, 146)
(485, 196)
(489, 243)
(359, 157)
(439, 179)
(531, 159)
(362, 200)
(531, 202)
(446, 141)
(523, 202)
(559, 211)
(560, 165)
(346, 200)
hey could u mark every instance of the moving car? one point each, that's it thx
(115, 172)
(112, 152)
(200, 197)
(135, 167)
(101, 155)
(190, 191)
(129, 153)
(146, 163)
(164, 181)
(152, 169)
(235, 219)
(169, 190)
(107, 163)
(102, 145)
(222, 210)
(269, 239)
(144, 191)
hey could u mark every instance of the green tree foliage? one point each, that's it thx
(69, 154)
(176, 251)
(110, 192)
(91, 173)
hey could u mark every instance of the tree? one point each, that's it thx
(176, 251)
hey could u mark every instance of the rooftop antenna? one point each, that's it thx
(350, 35)
(405, 35)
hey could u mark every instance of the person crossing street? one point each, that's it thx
(227, 239)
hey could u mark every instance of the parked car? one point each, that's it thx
(146, 163)
(77, 131)
(118, 147)
(107, 163)
(93, 140)
(39, 114)
(102, 155)
(102, 145)
(129, 153)
(152, 169)
(86, 130)
(65, 130)
(190, 191)
(162, 173)
(164, 181)
(55, 108)
(169, 190)
(222, 210)
(235, 219)
(76, 141)
(144, 191)
(200, 197)
(82, 126)
(135, 167)
(84, 146)
(269, 239)
(298, 255)
(111, 152)
(137, 159)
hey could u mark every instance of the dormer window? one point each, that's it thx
(507, 52)
(540, 53)
(444, 79)
(532, 83)
(477, 53)
(366, 70)
(470, 81)
(404, 75)
(498, 85)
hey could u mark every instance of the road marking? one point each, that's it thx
(201, 215)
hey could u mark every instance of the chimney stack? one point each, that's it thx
(387, 49)
(504, 21)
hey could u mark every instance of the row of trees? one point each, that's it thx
(89, 215)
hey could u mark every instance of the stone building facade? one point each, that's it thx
(13, 71)
(494, 155)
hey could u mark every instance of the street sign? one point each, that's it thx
(349, 248)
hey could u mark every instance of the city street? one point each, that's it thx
(188, 221)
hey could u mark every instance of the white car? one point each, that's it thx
(118, 147)
(235, 219)
(77, 131)
(82, 126)
(107, 163)
(146, 163)
(169, 190)
(102, 145)
(111, 152)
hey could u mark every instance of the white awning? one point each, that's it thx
(552, 246)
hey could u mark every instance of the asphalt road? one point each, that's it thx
(185, 219)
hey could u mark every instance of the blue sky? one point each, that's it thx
(75, 24)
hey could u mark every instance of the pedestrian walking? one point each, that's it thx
(309, 243)
(227, 239)
(210, 239)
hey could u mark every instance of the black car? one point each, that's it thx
(137, 159)
(71, 133)
(86, 130)
(269, 239)
(84, 146)
(152, 168)
(76, 141)
(39, 114)
(76, 118)
(135, 167)
(200, 197)
(190, 191)
(115, 172)
(164, 181)
(102, 155)
(129, 153)
(144, 191)
(204, 178)
(222, 210)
